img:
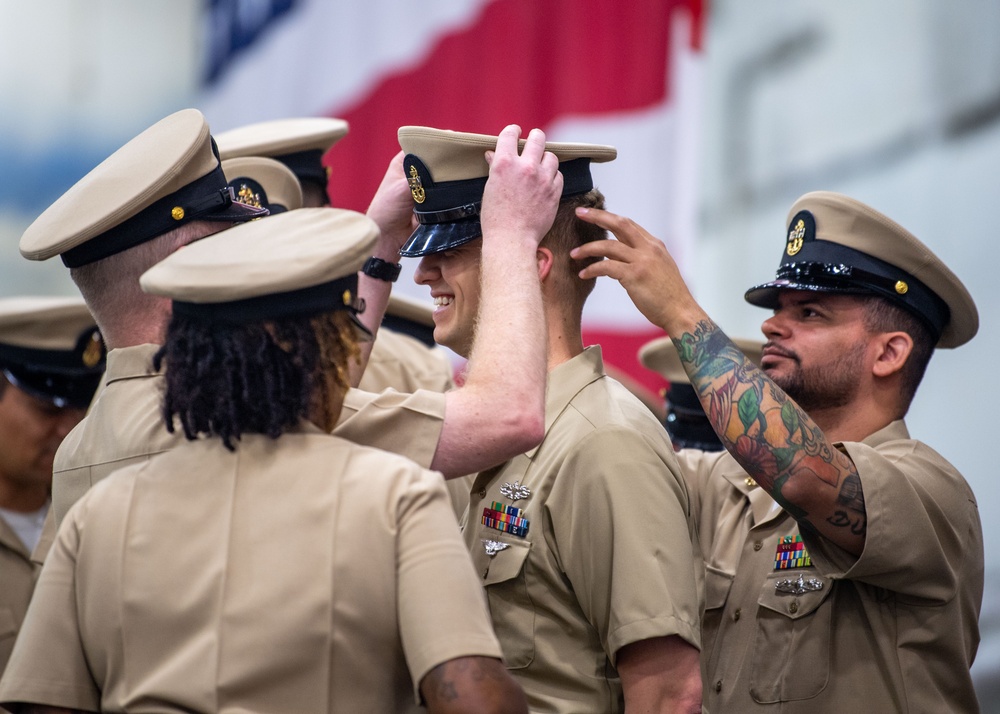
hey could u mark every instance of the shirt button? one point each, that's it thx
(718, 686)
(758, 544)
(793, 607)
(736, 615)
(485, 572)
(482, 493)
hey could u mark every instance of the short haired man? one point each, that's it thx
(157, 178)
(583, 543)
(844, 559)
(51, 359)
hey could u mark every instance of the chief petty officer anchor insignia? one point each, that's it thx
(506, 519)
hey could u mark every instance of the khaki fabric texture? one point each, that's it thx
(894, 630)
(124, 426)
(406, 424)
(607, 559)
(302, 574)
(406, 364)
(17, 580)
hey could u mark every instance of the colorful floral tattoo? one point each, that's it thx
(768, 433)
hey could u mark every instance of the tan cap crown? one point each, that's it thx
(282, 254)
(299, 143)
(458, 155)
(838, 244)
(263, 182)
(50, 347)
(660, 355)
(281, 136)
(447, 171)
(166, 176)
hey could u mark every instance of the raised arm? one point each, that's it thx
(500, 410)
(772, 438)
(392, 209)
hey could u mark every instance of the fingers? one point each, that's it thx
(611, 249)
(624, 229)
(534, 146)
(507, 141)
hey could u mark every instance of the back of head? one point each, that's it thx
(165, 181)
(264, 322)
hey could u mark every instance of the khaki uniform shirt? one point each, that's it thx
(298, 574)
(125, 426)
(583, 543)
(17, 580)
(406, 364)
(894, 630)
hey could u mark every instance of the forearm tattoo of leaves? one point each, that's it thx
(767, 433)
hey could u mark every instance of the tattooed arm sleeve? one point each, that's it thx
(774, 440)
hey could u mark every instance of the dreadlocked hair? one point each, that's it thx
(225, 380)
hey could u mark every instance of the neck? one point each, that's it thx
(565, 337)
(853, 422)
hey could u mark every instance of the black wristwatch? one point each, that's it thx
(381, 269)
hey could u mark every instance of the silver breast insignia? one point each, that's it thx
(798, 587)
(514, 491)
(494, 546)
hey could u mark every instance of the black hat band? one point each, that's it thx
(87, 357)
(898, 286)
(307, 166)
(339, 294)
(202, 196)
(416, 330)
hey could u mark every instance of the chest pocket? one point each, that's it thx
(511, 608)
(791, 650)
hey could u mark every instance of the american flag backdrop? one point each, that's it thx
(625, 73)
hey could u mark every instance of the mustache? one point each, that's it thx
(772, 348)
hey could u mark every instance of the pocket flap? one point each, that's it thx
(504, 564)
(794, 594)
(717, 586)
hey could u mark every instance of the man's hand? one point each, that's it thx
(392, 209)
(644, 267)
(522, 193)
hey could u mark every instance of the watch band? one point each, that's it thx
(381, 269)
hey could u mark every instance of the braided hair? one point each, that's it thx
(226, 379)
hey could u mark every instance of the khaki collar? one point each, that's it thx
(566, 381)
(131, 362)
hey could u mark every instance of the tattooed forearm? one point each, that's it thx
(772, 438)
(852, 498)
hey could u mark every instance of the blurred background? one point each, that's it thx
(723, 111)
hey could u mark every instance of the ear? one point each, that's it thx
(893, 349)
(545, 260)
